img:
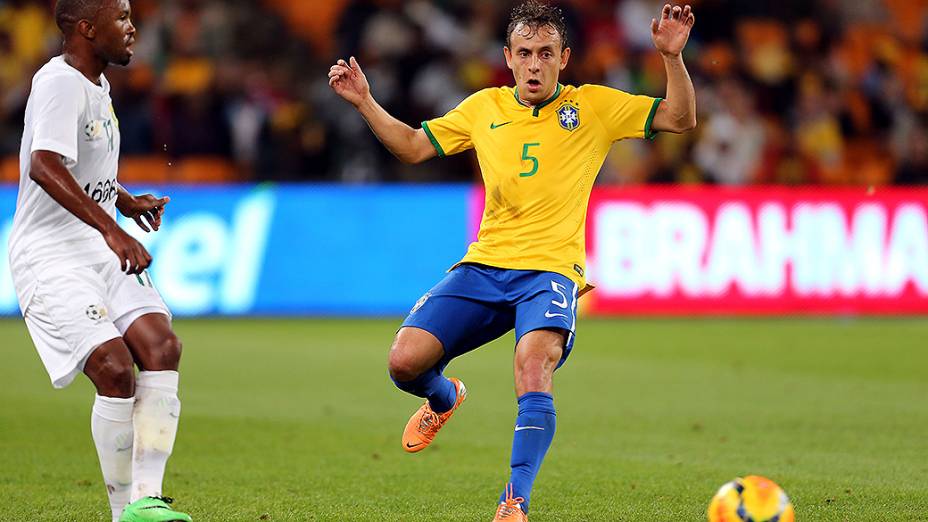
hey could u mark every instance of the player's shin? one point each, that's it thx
(111, 427)
(434, 386)
(534, 432)
(157, 410)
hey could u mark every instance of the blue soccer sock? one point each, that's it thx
(435, 387)
(535, 427)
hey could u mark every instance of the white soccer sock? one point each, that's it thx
(157, 409)
(111, 426)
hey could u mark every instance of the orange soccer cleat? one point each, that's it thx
(425, 423)
(511, 509)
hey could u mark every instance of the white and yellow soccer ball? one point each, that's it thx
(751, 499)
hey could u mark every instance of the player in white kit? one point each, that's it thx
(88, 302)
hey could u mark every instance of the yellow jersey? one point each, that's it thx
(538, 165)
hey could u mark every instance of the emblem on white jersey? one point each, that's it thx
(96, 313)
(568, 116)
(420, 302)
(94, 130)
(98, 129)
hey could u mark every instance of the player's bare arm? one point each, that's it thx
(141, 209)
(677, 113)
(49, 172)
(407, 144)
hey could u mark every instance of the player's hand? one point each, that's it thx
(133, 258)
(144, 208)
(673, 30)
(348, 81)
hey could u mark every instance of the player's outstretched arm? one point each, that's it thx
(407, 144)
(141, 208)
(677, 113)
(49, 172)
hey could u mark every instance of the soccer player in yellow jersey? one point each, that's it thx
(540, 145)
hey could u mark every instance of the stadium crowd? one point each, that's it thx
(789, 92)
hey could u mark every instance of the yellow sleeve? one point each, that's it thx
(623, 115)
(451, 133)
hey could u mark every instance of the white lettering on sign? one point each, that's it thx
(680, 235)
(907, 258)
(206, 263)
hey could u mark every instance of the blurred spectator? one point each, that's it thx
(27, 37)
(913, 155)
(732, 140)
(796, 91)
(817, 130)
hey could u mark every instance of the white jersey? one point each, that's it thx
(71, 116)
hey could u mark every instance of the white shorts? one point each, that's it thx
(76, 310)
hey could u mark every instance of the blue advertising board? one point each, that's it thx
(292, 249)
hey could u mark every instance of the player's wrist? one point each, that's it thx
(366, 104)
(124, 200)
(108, 227)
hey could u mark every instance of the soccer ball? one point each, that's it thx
(751, 499)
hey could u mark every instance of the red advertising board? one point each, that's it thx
(757, 251)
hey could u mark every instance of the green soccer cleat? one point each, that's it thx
(153, 509)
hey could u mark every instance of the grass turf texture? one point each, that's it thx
(297, 420)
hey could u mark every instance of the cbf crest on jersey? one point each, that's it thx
(568, 116)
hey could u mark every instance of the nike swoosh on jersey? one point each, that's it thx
(520, 428)
(496, 126)
(549, 315)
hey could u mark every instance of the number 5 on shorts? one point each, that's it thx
(559, 288)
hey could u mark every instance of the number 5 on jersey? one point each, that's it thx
(527, 157)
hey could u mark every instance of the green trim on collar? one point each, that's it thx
(557, 92)
(650, 133)
(535, 109)
(428, 132)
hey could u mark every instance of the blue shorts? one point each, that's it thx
(475, 304)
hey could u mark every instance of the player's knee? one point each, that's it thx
(414, 351)
(166, 354)
(114, 377)
(402, 365)
(535, 371)
(539, 361)
(534, 374)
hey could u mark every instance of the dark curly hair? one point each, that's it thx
(69, 12)
(536, 15)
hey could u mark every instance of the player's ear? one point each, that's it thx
(565, 55)
(86, 29)
(508, 54)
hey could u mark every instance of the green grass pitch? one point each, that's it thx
(298, 420)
